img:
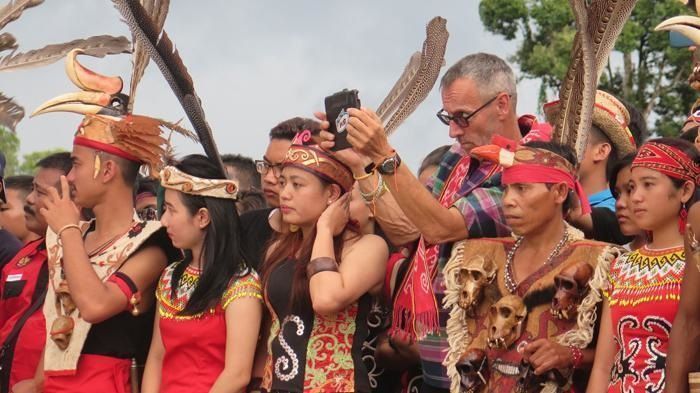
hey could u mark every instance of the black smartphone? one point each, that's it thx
(337, 113)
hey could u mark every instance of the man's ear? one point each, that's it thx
(503, 104)
(561, 192)
(109, 170)
(601, 151)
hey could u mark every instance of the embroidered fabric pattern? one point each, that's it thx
(169, 308)
(643, 295)
(329, 362)
(283, 370)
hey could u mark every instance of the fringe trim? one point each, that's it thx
(582, 335)
(458, 336)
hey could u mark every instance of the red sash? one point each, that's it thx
(415, 308)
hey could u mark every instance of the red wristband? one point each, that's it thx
(576, 357)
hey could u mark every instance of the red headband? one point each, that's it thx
(668, 160)
(535, 173)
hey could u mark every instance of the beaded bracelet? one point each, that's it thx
(377, 193)
(576, 357)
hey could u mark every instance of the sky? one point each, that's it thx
(256, 63)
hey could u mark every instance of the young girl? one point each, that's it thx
(620, 177)
(209, 304)
(318, 277)
(645, 284)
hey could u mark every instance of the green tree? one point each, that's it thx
(28, 166)
(9, 146)
(646, 72)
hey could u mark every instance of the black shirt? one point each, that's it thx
(9, 246)
(255, 235)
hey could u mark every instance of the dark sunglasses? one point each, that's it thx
(462, 118)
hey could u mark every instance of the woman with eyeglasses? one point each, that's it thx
(318, 278)
(644, 285)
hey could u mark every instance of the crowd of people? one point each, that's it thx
(506, 263)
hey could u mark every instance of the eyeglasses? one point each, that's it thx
(263, 167)
(462, 118)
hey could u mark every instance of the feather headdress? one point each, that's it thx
(161, 50)
(417, 79)
(98, 46)
(598, 25)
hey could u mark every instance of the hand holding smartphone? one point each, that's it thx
(337, 106)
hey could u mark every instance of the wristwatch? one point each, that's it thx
(389, 165)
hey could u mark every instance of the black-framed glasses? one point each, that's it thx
(263, 167)
(462, 118)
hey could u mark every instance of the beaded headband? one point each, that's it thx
(668, 160)
(175, 179)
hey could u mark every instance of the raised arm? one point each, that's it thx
(96, 300)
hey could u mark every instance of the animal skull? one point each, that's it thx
(61, 331)
(473, 371)
(63, 294)
(506, 319)
(473, 277)
(572, 285)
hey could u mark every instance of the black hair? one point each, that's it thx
(690, 134)
(288, 129)
(60, 161)
(21, 183)
(598, 136)
(145, 184)
(129, 169)
(433, 158)
(637, 126)
(568, 154)
(222, 255)
(615, 170)
(248, 176)
(250, 200)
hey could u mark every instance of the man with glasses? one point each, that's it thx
(463, 200)
(257, 226)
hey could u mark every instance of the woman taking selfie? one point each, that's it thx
(644, 287)
(319, 275)
(209, 304)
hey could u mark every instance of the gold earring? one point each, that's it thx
(98, 165)
(293, 228)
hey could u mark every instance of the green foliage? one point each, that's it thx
(9, 146)
(28, 166)
(647, 72)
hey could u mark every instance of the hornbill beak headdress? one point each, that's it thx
(108, 126)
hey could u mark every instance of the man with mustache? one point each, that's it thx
(24, 281)
(12, 211)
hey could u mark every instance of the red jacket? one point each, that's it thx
(19, 280)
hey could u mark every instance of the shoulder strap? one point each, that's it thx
(7, 351)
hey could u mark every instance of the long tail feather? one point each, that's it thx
(13, 10)
(10, 113)
(400, 89)
(157, 10)
(97, 46)
(163, 53)
(432, 59)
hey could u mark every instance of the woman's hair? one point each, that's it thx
(222, 255)
(565, 152)
(615, 170)
(292, 245)
(433, 158)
